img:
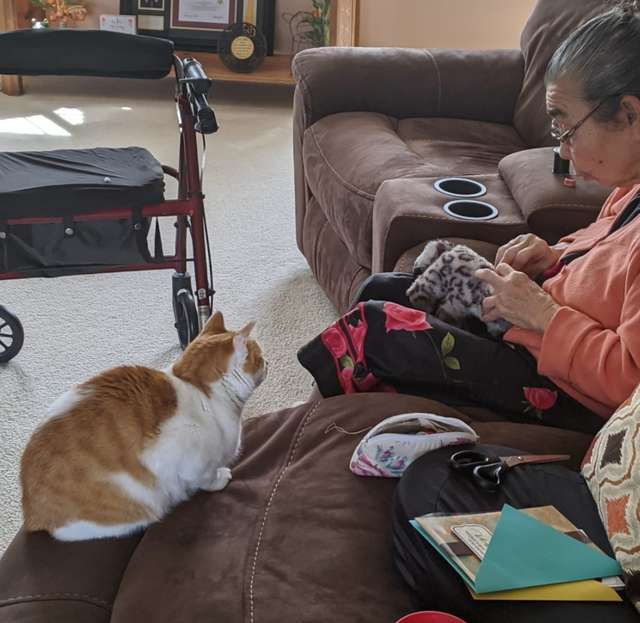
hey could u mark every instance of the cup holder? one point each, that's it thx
(460, 187)
(470, 210)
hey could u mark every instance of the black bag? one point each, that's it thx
(67, 184)
(57, 249)
(430, 486)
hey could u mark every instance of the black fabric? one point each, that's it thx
(68, 52)
(47, 250)
(430, 486)
(77, 181)
(384, 344)
(627, 215)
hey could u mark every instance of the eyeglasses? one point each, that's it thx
(564, 136)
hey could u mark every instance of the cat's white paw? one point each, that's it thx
(221, 480)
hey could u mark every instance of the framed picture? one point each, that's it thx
(198, 24)
(346, 23)
(151, 5)
(202, 14)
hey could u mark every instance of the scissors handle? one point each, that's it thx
(469, 460)
(489, 476)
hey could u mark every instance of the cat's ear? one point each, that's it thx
(246, 330)
(215, 324)
(240, 344)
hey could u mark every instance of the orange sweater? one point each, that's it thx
(591, 347)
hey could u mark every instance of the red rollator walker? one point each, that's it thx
(78, 211)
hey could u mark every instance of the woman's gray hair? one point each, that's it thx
(603, 57)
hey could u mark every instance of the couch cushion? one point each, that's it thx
(348, 155)
(295, 536)
(44, 580)
(549, 24)
(612, 471)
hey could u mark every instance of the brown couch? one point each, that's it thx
(374, 128)
(294, 537)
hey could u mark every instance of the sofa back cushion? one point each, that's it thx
(549, 24)
(612, 471)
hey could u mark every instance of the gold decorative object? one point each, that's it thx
(61, 12)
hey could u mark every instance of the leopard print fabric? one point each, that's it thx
(445, 287)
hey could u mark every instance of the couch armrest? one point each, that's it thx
(409, 211)
(551, 209)
(43, 580)
(403, 82)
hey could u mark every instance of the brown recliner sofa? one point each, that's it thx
(374, 128)
(295, 537)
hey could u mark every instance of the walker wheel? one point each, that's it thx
(186, 317)
(11, 335)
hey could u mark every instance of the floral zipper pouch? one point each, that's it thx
(393, 444)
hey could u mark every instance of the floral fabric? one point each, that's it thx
(383, 345)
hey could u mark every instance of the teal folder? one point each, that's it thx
(525, 552)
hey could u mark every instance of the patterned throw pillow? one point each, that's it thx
(612, 471)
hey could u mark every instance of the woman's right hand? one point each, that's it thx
(528, 254)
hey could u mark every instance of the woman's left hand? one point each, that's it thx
(516, 298)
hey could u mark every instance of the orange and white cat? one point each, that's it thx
(120, 450)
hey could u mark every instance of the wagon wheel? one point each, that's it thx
(11, 335)
(186, 317)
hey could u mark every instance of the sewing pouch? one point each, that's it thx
(393, 444)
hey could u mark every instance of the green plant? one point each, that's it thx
(319, 23)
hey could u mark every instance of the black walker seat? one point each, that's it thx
(77, 181)
(74, 211)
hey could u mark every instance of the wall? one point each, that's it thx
(443, 23)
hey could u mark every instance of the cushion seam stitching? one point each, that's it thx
(268, 508)
(437, 68)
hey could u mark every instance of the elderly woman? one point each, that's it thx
(573, 354)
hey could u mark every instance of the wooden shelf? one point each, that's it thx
(274, 69)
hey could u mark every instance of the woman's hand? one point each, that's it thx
(529, 254)
(516, 298)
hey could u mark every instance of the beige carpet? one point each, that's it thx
(78, 326)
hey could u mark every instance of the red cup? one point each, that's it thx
(429, 616)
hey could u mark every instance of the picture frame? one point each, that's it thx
(346, 22)
(153, 6)
(197, 25)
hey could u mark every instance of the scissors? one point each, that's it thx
(487, 471)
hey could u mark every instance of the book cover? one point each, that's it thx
(514, 549)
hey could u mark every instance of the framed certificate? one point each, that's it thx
(199, 24)
(202, 14)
